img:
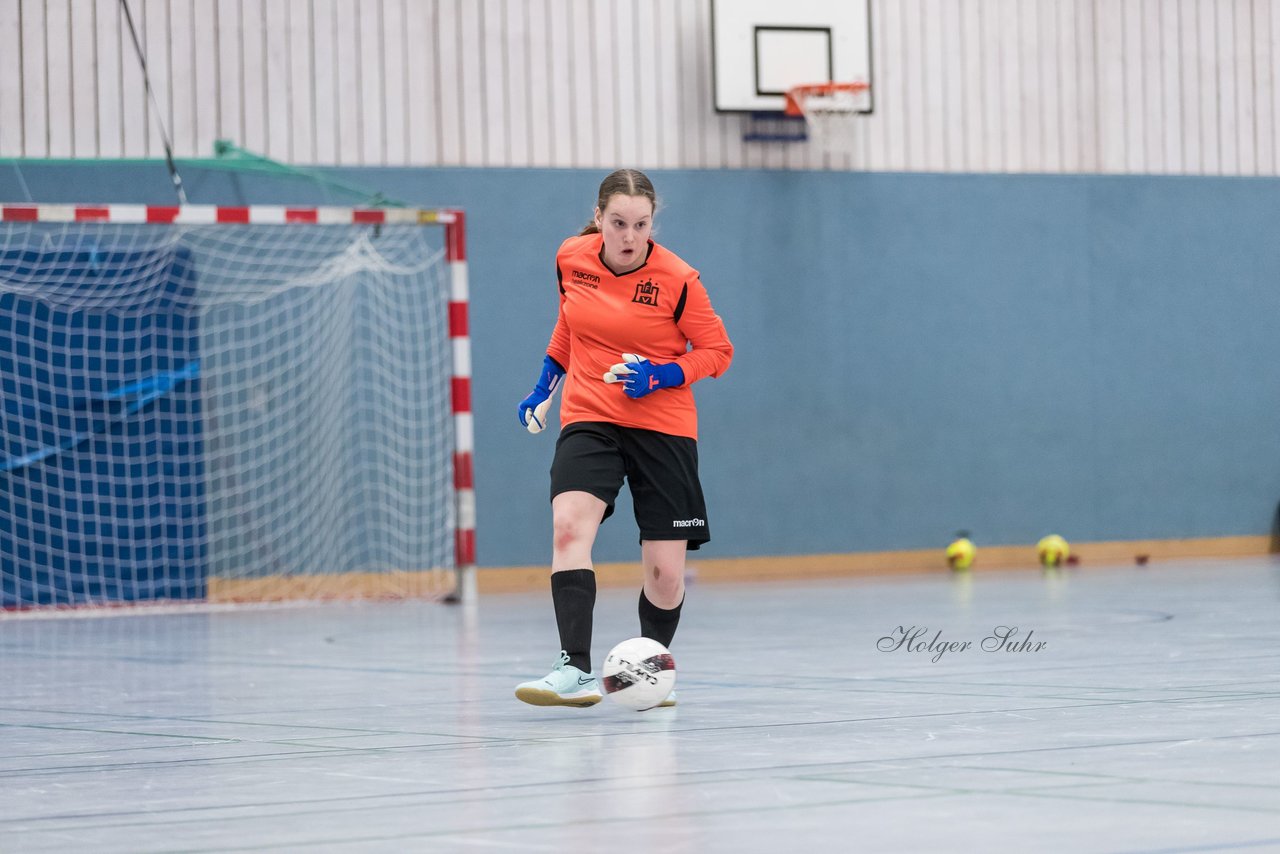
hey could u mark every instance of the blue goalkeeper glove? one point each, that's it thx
(533, 409)
(639, 376)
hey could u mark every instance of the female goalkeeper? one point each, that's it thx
(635, 331)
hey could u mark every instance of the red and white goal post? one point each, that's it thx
(237, 403)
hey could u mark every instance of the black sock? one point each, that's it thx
(573, 591)
(658, 623)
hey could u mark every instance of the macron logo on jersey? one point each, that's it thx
(689, 523)
(591, 280)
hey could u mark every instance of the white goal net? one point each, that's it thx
(225, 412)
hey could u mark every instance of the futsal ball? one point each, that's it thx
(638, 673)
(1053, 551)
(961, 553)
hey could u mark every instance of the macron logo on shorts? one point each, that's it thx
(689, 523)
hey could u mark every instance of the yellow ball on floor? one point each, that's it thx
(1053, 551)
(960, 554)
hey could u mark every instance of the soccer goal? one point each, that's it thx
(230, 404)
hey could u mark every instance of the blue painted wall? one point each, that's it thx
(1010, 354)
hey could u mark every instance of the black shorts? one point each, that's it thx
(661, 470)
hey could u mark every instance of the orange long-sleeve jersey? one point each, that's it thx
(659, 311)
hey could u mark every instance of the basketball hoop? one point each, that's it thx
(830, 111)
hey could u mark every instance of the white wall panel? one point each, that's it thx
(58, 77)
(420, 83)
(135, 114)
(254, 82)
(538, 83)
(35, 94)
(197, 134)
(1067, 85)
(1087, 97)
(324, 85)
(578, 98)
(1242, 48)
(1048, 85)
(492, 62)
(1264, 92)
(966, 98)
(1271, 71)
(109, 135)
(624, 59)
(301, 76)
(1014, 120)
(650, 53)
(349, 74)
(1189, 135)
(693, 84)
(11, 81)
(667, 83)
(1111, 103)
(915, 97)
(183, 96)
(891, 85)
(1228, 120)
(227, 37)
(1206, 60)
(1164, 86)
(944, 37)
(473, 67)
(1131, 65)
(1171, 88)
(596, 125)
(1152, 104)
(82, 46)
(992, 97)
(280, 87)
(153, 25)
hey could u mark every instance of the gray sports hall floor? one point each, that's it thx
(1149, 721)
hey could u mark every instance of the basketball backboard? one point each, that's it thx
(762, 48)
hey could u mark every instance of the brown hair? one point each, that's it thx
(628, 182)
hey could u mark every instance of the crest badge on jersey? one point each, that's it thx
(646, 293)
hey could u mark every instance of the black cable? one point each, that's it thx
(146, 82)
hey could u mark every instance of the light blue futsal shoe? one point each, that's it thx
(565, 685)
